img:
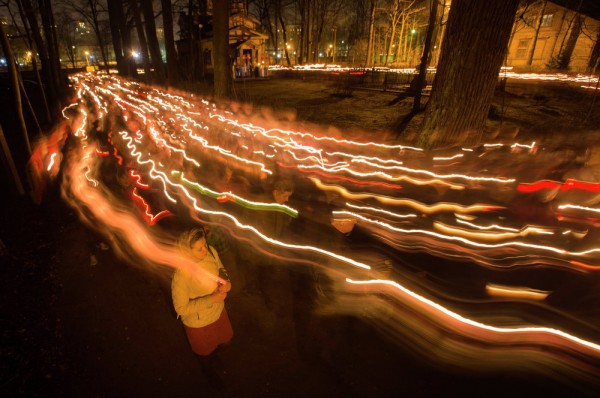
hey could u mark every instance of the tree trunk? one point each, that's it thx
(564, 57)
(536, 34)
(400, 53)
(369, 59)
(121, 39)
(287, 54)
(172, 65)
(319, 18)
(31, 15)
(10, 163)
(439, 34)
(29, 105)
(223, 85)
(139, 27)
(595, 55)
(154, 47)
(302, 11)
(395, 18)
(308, 41)
(34, 65)
(117, 40)
(52, 43)
(14, 84)
(472, 52)
(421, 77)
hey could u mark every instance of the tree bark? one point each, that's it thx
(10, 163)
(223, 81)
(564, 57)
(121, 39)
(172, 65)
(34, 66)
(472, 52)
(139, 27)
(282, 22)
(302, 11)
(369, 59)
(421, 77)
(52, 43)
(31, 15)
(308, 38)
(153, 46)
(29, 105)
(117, 40)
(395, 17)
(595, 55)
(14, 84)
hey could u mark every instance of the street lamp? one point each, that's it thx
(87, 60)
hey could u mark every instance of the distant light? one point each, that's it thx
(134, 54)
(413, 31)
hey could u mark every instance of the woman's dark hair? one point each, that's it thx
(197, 233)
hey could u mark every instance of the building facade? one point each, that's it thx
(554, 26)
(247, 45)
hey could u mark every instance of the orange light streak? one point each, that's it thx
(497, 332)
(427, 209)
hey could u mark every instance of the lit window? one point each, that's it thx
(522, 48)
(547, 20)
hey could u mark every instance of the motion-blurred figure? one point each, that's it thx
(200, 301)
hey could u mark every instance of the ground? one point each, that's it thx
(70, 328)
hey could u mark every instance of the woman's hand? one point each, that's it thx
(225, 286)
(218, 295)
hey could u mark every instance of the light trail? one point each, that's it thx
(175, 142)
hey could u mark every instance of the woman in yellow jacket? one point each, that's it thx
(199, 298)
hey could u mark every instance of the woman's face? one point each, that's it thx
(199, 249)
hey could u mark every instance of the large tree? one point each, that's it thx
(472, 52)
(121, 38)
(152, 38)
(141, 35)
(48, 67)
(595, 55)
(172, 66)
(223, 79)
(563, 59)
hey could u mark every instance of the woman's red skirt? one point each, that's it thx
(206, 339)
